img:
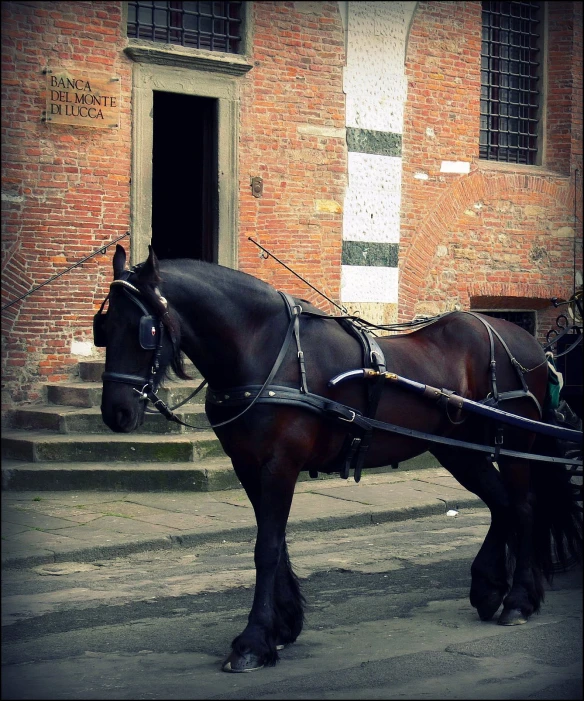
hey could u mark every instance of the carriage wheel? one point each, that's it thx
(575, 473)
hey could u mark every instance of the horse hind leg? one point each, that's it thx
(490, 576)
(527, 591)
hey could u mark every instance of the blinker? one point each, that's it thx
(147, 328)
(148, 332)
(99, 335)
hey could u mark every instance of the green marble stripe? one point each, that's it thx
(370, 253)
(383, 143)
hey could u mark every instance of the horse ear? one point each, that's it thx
(119, 261)
(149, 271)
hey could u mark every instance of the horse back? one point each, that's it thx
(455, 353)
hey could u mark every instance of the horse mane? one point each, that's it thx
(149, 282)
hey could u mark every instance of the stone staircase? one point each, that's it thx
(64, 444)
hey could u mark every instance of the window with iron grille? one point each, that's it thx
(215, 26)
(524, 319)
(510, 81)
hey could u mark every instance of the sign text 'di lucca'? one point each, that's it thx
(82, 100)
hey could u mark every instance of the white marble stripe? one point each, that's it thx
(368, 284)
(372, 200)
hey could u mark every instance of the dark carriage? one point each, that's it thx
(566, 340)
(292, 389)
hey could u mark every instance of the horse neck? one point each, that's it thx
(227, 320)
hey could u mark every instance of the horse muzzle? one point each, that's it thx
(122, 408)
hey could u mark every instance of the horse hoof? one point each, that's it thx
(242, 663)
(280, 646)
(489, 608)
(512, 617)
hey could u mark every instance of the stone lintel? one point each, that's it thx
(169, 55)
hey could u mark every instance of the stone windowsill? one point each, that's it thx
(519, 169)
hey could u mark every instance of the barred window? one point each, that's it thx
(215, 26)
(510, 81)
(524, 319)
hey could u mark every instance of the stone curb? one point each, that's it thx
(195, 538)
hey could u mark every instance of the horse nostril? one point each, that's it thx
(120, 419)
(124, 419)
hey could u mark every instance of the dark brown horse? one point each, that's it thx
(237, 331)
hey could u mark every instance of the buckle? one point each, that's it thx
(142, 392)
(349, 420)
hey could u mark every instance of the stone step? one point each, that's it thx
(45, 446)
(73, 420)
(88, 394)
(91, 370)
(213, 474)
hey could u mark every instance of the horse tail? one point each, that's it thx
(557, 513)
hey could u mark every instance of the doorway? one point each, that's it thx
(184, 177)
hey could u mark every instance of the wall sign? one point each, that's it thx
(82, 100)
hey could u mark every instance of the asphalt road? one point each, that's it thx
(388, 617)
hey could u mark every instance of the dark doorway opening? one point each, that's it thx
(184, 177)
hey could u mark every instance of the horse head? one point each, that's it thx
(142, 339)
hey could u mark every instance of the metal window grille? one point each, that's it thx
(510, 77)
(215, 26)
(524, 319)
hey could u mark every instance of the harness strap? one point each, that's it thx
(356, 447)
(520, 370)
(126, 379)
(374, 392)
(289, 396)
(294, 311)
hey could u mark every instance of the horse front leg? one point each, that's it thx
(276, 615)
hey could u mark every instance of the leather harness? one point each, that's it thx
(359, 426)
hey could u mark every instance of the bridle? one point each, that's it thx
(150, 336)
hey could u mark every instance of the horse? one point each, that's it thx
(252, 342)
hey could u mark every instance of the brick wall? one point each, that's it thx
(65, 189)
(561, 81)
(500, 230)
(292, 135)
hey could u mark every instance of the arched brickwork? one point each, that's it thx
(491, 234)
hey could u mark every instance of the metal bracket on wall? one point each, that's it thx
(257, 186)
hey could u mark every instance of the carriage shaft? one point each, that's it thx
(459, 402)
